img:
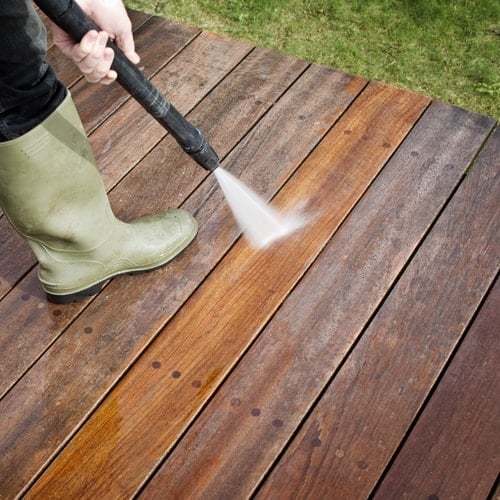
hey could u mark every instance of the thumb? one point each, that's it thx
(125, 41)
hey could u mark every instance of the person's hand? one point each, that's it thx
(91, 55)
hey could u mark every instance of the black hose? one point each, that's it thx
(68, 15)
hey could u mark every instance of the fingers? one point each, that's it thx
(125, 41)
(112, 17)
(93, 58)
(91, 55)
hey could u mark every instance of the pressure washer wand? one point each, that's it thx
(69, 16)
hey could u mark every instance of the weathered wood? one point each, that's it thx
(175, 377)
(167, 176)
(12, 269)
(365, 412)
(145, 302)
(304, 344)
(14, 365)
(122, 131)
(30, 325)
(204, 379)
(453, 450)
(131, 133)
(37, 324)
(153, 182)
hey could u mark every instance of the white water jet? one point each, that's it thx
(260, 223)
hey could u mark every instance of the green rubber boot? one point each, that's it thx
(53, 195)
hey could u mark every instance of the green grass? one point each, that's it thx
(447, 49)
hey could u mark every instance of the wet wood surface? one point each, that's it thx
(355, 358)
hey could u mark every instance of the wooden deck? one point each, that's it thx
(357, 358)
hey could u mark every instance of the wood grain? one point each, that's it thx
(206, 338)
(12, 270)
(322, 367)
(131, 132)
(453, 450)
(146, 302)
(303, 345)
(44, 325)
(371, 402)
(167, 176)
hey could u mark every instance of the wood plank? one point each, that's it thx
(318, 112)
(16, 257)
(237, 104)
(147, 302)
(364, 414)
(156, 183)
(209, 440)
(198, 347)
(453, 450)
(228, 447)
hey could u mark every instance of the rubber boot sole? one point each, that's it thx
(96, 288)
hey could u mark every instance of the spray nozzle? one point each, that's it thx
(205, 156)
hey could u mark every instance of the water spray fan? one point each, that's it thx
(260, 224)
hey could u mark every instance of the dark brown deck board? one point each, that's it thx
(384, 382)
(102, 318)
(449, 452)
(255, 345)
(12, 244)
(316, 323)
(244, 308)
(38, 322)
(130, 133)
